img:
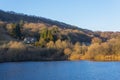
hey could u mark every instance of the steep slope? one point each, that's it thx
(11, 16)
(33, 23)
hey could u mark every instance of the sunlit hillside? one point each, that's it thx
(23, 35)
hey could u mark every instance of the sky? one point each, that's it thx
(96, 15)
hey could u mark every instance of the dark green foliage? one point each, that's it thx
(42, 42)
(13, 32)
(46, 35)
(16, 31)
(50, 35)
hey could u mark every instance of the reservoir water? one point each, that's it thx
(60, 70)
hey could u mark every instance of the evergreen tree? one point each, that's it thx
(16, 31)
(46, 35)
(13, 32)
(49, 35)
(21, 23)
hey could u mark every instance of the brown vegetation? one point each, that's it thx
(55, 41)
(17, 51)
(53, 45)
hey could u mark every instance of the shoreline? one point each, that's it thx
(58, 61)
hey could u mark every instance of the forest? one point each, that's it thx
(53, 41)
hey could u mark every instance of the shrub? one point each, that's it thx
(67, 51)
(74, 56)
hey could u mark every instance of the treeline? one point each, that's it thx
(17, 51)
(61, 50)
(109, 50)
(13, 17)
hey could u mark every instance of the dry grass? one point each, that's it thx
(16, 45)
(34, 27)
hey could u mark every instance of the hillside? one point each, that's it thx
(4, 35)
(34, 23)
(10, 16)
(31, 38)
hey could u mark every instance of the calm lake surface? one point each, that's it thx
(60, 70)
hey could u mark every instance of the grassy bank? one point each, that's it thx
(97, 58)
